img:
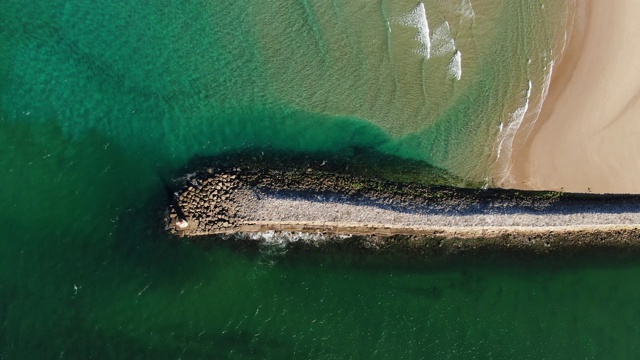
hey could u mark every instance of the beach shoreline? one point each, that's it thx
(583, 140)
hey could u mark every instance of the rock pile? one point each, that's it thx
(208, 205)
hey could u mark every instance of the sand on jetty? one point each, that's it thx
(585, 139)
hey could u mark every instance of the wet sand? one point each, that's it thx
(586, 138)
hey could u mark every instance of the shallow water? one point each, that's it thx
(102, 103)
(207, 77)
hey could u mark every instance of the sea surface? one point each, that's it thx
(102, 103)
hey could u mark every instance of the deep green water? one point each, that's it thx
(100, 102)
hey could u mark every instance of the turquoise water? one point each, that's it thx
(101, 103)
(172, 79)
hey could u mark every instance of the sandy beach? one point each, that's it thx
(585, 139)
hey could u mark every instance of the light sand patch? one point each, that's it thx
(587, 137)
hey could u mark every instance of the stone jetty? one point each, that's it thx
(253, 199)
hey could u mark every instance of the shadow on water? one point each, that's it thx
(359, 161)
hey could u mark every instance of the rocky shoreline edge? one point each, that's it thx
(253, 201)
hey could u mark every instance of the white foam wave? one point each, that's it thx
(283, 238)
(543, 96)
(508, 134)
(418, 18)
(455, 66)
(441, 40)
(547, 83)
(466, 9)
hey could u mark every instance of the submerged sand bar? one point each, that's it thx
(230, 201)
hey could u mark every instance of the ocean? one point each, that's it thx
(102, 103)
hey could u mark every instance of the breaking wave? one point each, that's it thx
(418, 18)
(508, 134)
(466, 9)
(441, 40)
(455, 66)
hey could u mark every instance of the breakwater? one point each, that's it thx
(254, 198)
